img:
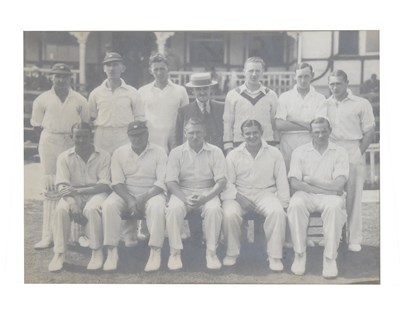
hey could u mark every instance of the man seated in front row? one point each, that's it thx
(82, 178)
(318, 173)
(196, 174)
(138, 173)
(257, 182)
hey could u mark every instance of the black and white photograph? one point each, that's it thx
(202, 157)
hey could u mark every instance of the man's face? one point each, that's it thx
(160, 71)
(81, 137)
(304, 77)
(252, 136)
(139, 141)
(253, 72)
(114, 69)
(320, 133)
(338, 86)
(195, 135)
(61, 81)
(202, 93)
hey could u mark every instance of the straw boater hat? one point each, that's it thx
(201, 80)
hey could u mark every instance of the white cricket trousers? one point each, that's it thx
(354, 190)
(91, 210)
(267, 205)
(154, 213)
(333, 216)
(211, 213)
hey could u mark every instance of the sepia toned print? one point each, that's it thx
(233, 157)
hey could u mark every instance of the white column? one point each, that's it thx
(81, 37)
(162, 39)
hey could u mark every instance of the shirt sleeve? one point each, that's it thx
(282, 183)
(92, 105)
(63, 175)
(295, 166)
(322, 110)
(138, 107)
(173, 167)
(342, 164)
(230, 191)
(85, 114)
(38, 111)
(281, 111)
(367, 117)
(117, 173)
(219, 165)
(161, 169)
(104, 173)
(229, 120)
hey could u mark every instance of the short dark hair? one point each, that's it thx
(81, 126)
(320, 120)
(339, 73)
(157, 57)
(195, 121)
(250, 123)
(255, 60)
(303, 66)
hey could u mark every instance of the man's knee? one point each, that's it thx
(175, 207)
(231, 210)
(156, 205)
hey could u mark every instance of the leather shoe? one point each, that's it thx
(212, 260)
(96, 262)
(154, 262)
(275, 264)
(354, 247)
(329, 269)
(57, 262)
(299, 264)
(112, 259)
(43, 244)
(229, 260)
(175, 261)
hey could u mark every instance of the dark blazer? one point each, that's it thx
(213, 121)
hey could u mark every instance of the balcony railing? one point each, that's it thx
(277, 81)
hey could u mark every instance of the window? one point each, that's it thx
(348, 42)
(372, 42)
(207, 48)
(270, 47)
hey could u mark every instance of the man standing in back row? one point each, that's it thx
(353, 128)
(251, 100)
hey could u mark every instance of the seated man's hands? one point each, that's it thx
(76, 214)
(130, 211)
(196, 200)
(67, 190)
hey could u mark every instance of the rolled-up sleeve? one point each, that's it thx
(367, 117)
(342, 165)
(63, 175)
(117, 173)
(295, 166)
(229, 120)
(219, 165)
(38, 110)
(104, 175)
(281, 111)
(173, 167)
(161, 169)
(93, 111)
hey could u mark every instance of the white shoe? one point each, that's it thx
(212, 260)
(112, 259)
(175, 261)
(322, 242)
(43, 244)
(96, 262)
(354, 247)
(329, 269)
(154, 262)
(83, 241)
(57, 262)
(299, 264)
(229, 260)
(275, 264)
(131, 242)
(310, 242)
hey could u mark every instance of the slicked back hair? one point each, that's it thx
(320, 120)
(250, 123)
(339, 73)
(195, 121)
(255, 60)
(304, 65)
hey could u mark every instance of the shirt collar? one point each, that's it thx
(331, 146)
(148, 147)
(263, 89)
(206, 146)
(242, 147)
(72, 151)
(311, 92)
(349, 96)
(169, 83)
(123, 84)
(199, 104)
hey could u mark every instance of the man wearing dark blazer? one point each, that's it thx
(203, 108)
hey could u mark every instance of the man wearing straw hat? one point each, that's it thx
(202, 108)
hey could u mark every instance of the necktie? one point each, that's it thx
(204, 108)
